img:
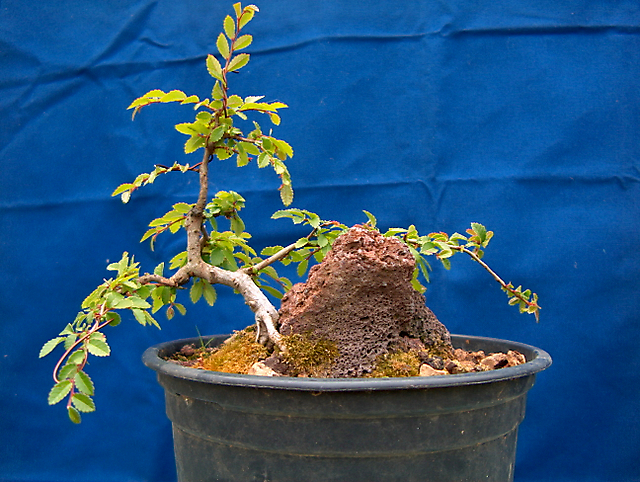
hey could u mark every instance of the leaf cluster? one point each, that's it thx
(83, 337)
(306, 250)
(213, 127)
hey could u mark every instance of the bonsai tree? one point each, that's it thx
(217, 256)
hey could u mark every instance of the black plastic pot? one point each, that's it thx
(229, 427)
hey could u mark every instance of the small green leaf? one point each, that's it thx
(275, 118)
(229, 27)
(139, 315)
(209, 293)
(77, 357)
(216, 93)
(223, 46)
(193, 144)
(192, 99)
(243, 42)
(237, 225)
(49, 346)
(74, 415)
(238, 61)
(214, 68)
(196, 291)
(302, 268)
(98, 347)
(173, 96)
(186, 128)
(372, 219)
(247, 14)
(137, 302)
(286, 194)
(59, 391)
(243, 158)
(68, 371)
(82, 402)
(84, 383)
(272, 291)
(238, 8)
(122, 188)
(217, 133)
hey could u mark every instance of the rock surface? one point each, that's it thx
(360, 298)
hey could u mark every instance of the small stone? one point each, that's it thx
(259, 368)
(452, 367)
(428, 371)
(436, 362)
(495, 361)
(516, 358)
(187, 350)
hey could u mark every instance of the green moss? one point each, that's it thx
(397, 364)
(237, 354)
(309, 357)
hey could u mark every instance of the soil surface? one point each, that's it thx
(357, 315)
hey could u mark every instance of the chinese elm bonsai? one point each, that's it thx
(214, 256)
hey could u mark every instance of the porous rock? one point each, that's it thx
(361, 298)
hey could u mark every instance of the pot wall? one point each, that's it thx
(448, 428)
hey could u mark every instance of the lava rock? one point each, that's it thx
(361, 298)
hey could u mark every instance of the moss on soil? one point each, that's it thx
(397, 364)
(237, 354)
(309, 357)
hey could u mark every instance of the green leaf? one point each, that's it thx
(74, 415)
(243, 158)
(67, 371)
(237, 225)
(480, 230)
(214, 68)
(243, 42)
(216, 93)
(217, 133)
(173, 96)
(302, 268)
(49, 346)
(238, 61)
(192, 99)
(59, 391)
(84, 383)
(238, 8)
(122, 188)
(98, 347)
(272, 291)
(151, 320)
(209, 293)
(247, 14)
(372, 219)
(275, 118)
(139, 315)
(196, 291)
(193, 144)
(229, 27)
(82, 402)
(186, 128)
(180, 307)
(114, 318)
(286, 194)
(137, 302)
(223, 46)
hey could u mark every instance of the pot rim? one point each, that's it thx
(537, 360)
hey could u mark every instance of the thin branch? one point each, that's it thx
(270, 260)
(502, 283)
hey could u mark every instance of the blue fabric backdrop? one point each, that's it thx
(520, 114)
